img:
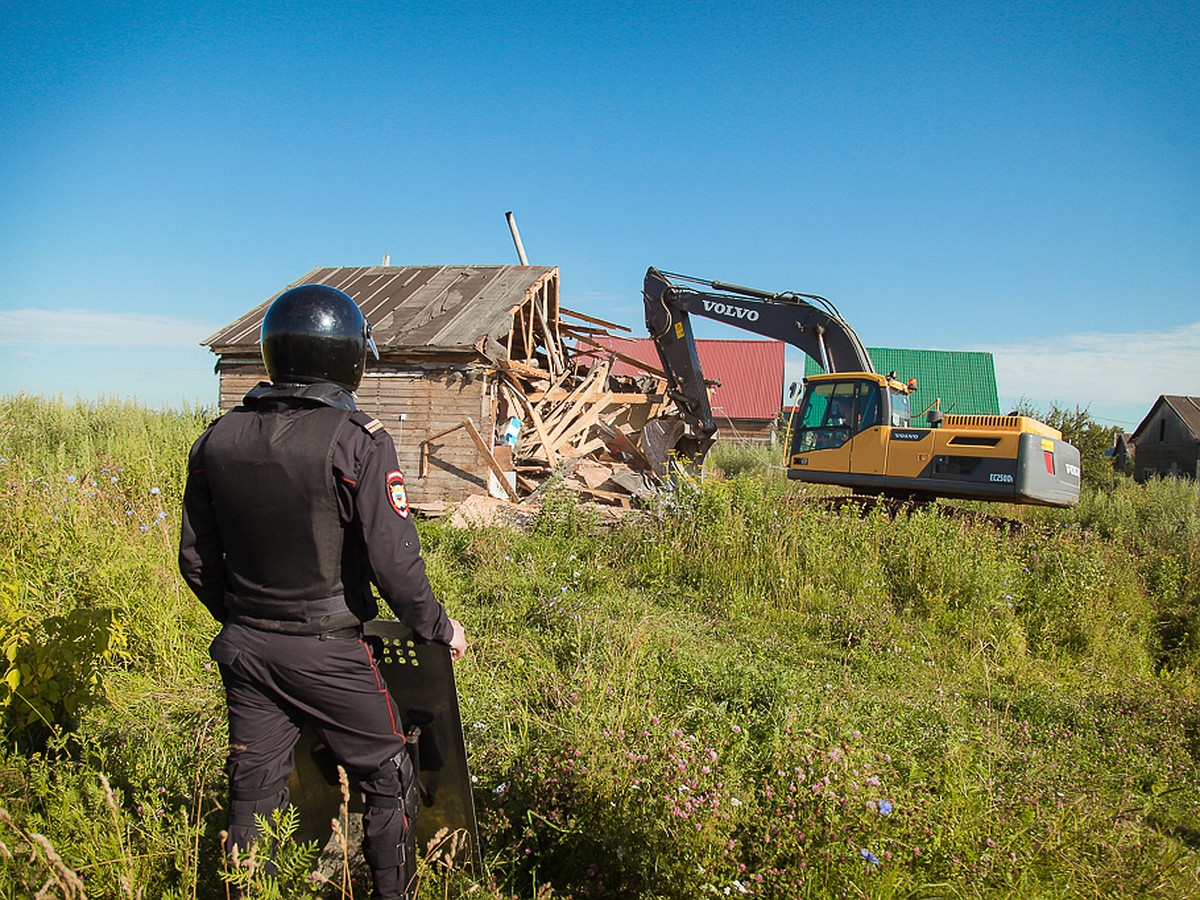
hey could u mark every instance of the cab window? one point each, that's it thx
(868, 415)
(900, 411)
(826, 417)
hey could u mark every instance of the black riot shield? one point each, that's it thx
(420, 678)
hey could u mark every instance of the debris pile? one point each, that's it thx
(560, 408)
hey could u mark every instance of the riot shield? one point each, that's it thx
(420, 678)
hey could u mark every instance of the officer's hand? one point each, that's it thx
(458, 644)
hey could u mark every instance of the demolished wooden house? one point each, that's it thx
(484, 384)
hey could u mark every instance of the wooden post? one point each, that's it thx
(488, 458)
(483, 449)
(538, 428)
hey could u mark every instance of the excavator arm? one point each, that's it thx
(806, 321)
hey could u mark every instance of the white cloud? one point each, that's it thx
(1101, 367)
(56, 327)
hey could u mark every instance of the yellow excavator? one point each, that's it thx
(853, 427)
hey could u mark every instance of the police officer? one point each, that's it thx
(294, 506)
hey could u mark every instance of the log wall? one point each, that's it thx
(432, 398)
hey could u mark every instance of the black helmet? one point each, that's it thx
(315, 333)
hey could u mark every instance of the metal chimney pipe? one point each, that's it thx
(516, 236)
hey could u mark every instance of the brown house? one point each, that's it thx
(1167, 442)
(441, 331)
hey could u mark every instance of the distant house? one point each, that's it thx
(963, 381)
(746, 402)
(440, 331)
(1167, 442)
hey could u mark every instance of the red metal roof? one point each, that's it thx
(750, 372)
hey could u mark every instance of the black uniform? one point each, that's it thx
(294, 505)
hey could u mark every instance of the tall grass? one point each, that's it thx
(736, 691)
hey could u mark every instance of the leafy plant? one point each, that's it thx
(55, 664)
(277, 867)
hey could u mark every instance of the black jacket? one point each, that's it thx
(364, 493)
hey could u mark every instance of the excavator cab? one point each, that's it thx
(835, 408)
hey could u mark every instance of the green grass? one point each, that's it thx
(737, 690)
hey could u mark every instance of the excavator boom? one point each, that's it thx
(806, 321)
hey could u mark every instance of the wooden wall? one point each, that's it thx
(236, 379)
(748, 431)
(432, 398)
(1166, 447)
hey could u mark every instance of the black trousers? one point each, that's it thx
(274, 684)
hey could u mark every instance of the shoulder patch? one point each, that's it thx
(397, 495)
(367, 423)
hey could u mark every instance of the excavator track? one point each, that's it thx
(894, 506)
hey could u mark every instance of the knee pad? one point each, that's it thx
(244, 805)
(404, 764)
(388, 837)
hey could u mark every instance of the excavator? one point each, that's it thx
(854, 427)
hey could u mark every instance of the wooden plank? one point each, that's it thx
(631, 416)
(620, 440)
(512, 330)
(552, 306)
(590, 447)
(577, 394)
(592, 473)
(584, 329)
(584, 318)
(443, 433)
(486, 453)
(534, 373)
(630, 398)
(591, 387)
(554, 392)
(624, 357)
(528, 331)
(423, 465)
(621, 500)
(553, 352)
(606, 415)
(534, 418)
(579, 428)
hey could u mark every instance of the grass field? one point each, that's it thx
(736, 693)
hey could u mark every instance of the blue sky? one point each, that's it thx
(1022, 178)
